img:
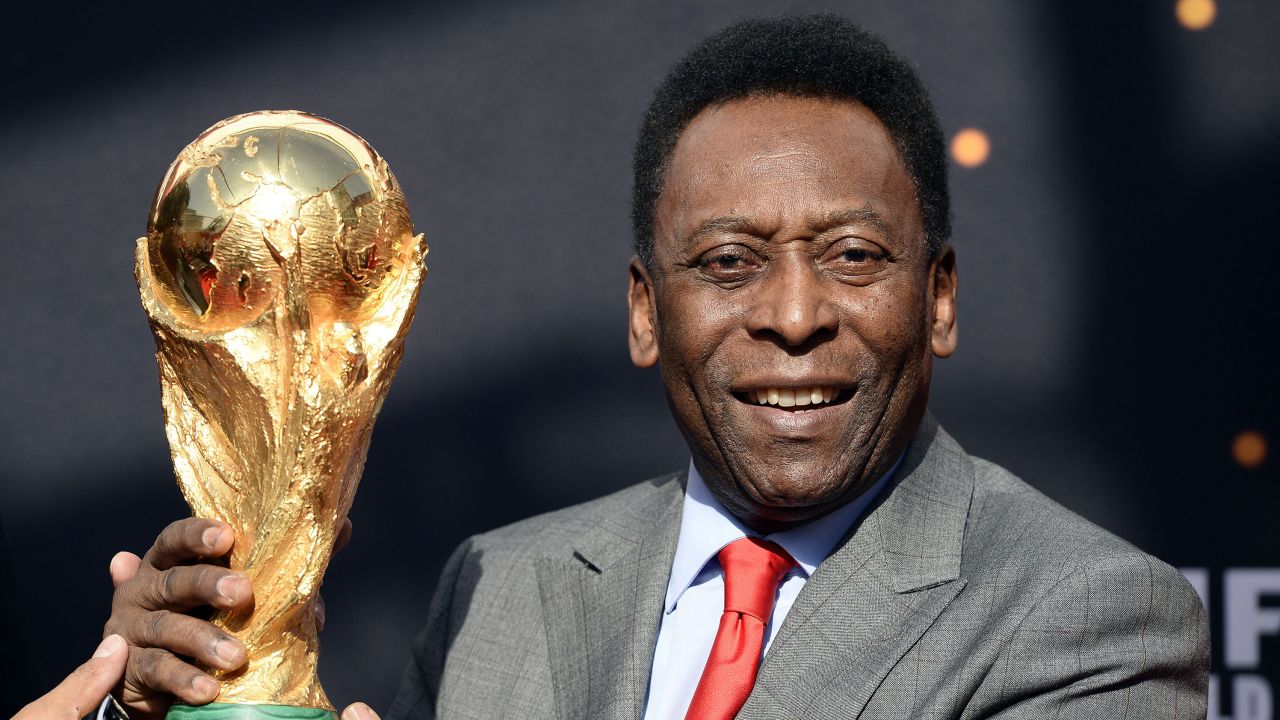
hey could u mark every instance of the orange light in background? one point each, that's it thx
(970, 147)
(1196, 14)
(1249, 449)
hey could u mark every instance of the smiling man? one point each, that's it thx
(792, 301)
(830, 551)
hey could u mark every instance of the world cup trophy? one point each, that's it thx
(280, 273)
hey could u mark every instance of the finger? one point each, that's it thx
(359, 711)
(344, 535)
(123, 567)
(190, 586)
(190, 539)
(153, 669)
(192, 637)
(319, 610)
(84, 688)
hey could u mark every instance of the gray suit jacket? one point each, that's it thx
(963, 593)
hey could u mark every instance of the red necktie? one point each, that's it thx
(752, 570)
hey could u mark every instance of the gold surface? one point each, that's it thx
(280, 273)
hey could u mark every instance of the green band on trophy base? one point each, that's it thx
(238, 711)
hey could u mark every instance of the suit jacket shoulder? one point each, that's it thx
(548, 591)
(1088, 626)
(619, 512)
(1008, 514)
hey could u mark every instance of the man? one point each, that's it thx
(831, 551)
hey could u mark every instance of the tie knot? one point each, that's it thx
(752, 570)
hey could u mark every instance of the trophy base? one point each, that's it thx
(238, 711)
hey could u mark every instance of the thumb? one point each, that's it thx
(85, 688)
(359, 711)
(123, 567)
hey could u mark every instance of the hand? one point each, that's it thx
(84, 689)
(154, 591)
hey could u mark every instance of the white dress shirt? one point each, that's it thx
(695, 592)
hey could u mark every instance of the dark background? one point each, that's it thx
(1116, 254)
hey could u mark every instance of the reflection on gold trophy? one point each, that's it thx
(280, 273)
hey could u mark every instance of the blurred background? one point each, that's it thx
(1114, 187)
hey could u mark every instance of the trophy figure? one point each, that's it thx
(280, 273)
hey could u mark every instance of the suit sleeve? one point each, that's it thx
(1123, 637)
(416, 699)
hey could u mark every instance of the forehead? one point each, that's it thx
(778, 158)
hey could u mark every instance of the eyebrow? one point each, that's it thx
(865, 215)
(723, 223)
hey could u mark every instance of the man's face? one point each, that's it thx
(792, 304)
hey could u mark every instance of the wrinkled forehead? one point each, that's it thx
(783, 158)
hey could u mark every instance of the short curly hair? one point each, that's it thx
(805, 56)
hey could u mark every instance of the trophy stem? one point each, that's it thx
(245, 711)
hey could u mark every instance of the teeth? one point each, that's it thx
(794, 397)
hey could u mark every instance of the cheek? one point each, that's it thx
(693, 329)
(694, 360)
(892, 324)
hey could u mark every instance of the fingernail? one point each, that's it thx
(359, 711)
(211, 537)
(117, 558)
(205, 686)
(227, 650)
(231, 586)
(109, 646)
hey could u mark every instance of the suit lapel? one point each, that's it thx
(868, 603)
(602, 605)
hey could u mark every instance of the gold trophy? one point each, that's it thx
(280, 273)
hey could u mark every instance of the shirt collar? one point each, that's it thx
(706, 527)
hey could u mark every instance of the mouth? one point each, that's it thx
(795, 399)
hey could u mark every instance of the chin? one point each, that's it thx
(797, 491)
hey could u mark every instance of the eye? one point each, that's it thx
(855, 256)
(729, 263)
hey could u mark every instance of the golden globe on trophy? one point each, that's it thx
(280, 273)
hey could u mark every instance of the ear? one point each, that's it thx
(643, 312)
(942, 292)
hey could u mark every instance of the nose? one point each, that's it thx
(790, 306)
